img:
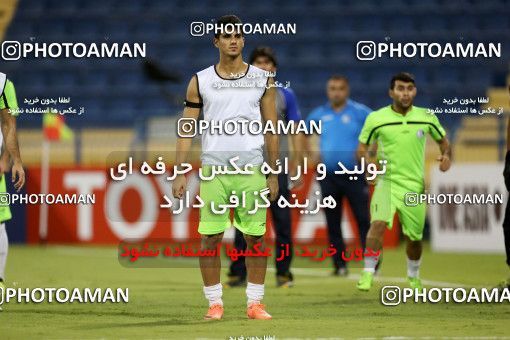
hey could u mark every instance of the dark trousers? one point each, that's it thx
(282, 226)
(356, 191)
(506, 232)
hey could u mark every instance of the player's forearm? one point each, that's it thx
(271, 141)
(182, 149)
(4, 158)
(362, 151)
(508, 136)
(268, 113)
(184, 143)
(11, 139)
(508, 131)
(298, 146)
(444, 146)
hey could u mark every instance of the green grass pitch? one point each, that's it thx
(168, 303)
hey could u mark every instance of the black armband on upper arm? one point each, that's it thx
(193, 105)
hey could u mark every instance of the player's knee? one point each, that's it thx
(211, 241)
(377, 229)
(252, 240)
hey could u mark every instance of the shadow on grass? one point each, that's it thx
(94, 324)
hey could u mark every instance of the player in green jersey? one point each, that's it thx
(9, 148)
(399, 130)
(246, 100)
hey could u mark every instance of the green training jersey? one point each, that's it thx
(401, 142)
(8, 96)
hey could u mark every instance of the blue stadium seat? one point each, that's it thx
(341, 52)
(379, 79)
(117, 31)
(474, 79)
(357, 78)
(299, 81)
(495, 22)
(260, 6)
(128, 81)
(294, 5)
(122, 111)
(454, 6)
(431, 24)
(203, 57)
(329, 6)
(93, 81)
(56, 31)
(154, 106)
(311, 54)
(149, 31)
(420, 75)
(31, 9)
(131, 7)
(97, 8)
(61, 8)
(446, 78)
(365, 6)
(175, 55)
(370, 24)
(423, 100)
(317, 78)
(94, 109)
(310, 27)
(63, 81)
(404, 24)
(30, 81)
(85, 30)
(342, 26)
(22, 31)
(463, 24)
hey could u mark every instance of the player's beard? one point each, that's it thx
(405, 106)
(339, 102)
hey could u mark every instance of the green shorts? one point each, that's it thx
(218, 191)
(5, 210)
(389, 198)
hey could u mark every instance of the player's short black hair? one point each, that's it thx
(339, 77)
(402, 76)
(263, 51)
(227, 19)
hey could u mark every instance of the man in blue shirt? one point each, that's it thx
(342, 121)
